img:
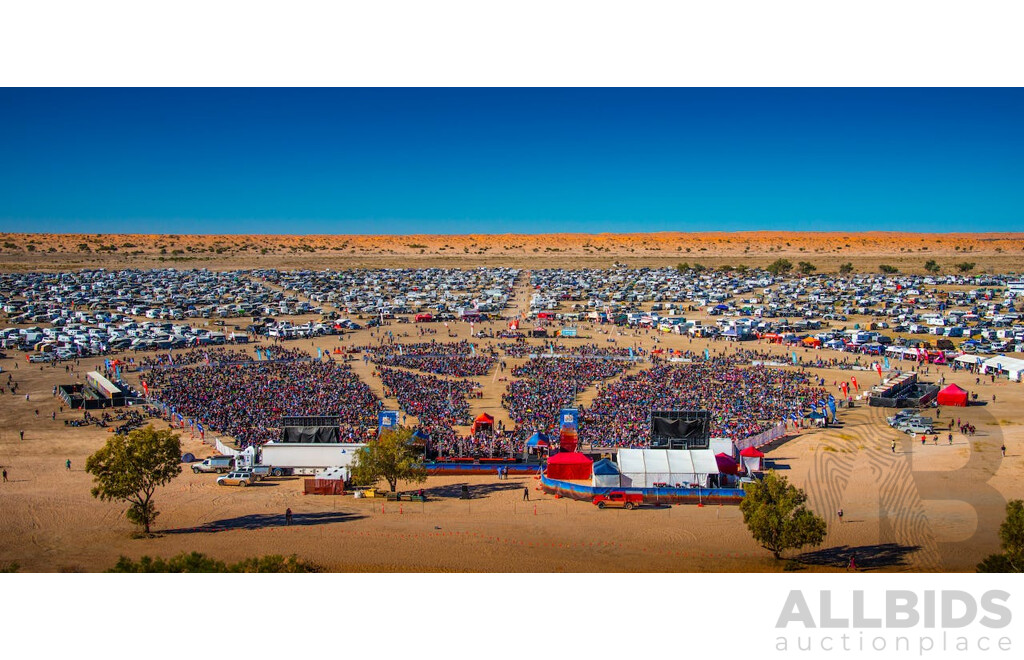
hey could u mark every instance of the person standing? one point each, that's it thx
(950, 438)
(526, 494)
(288, 516)
(5, 476)
(1002, 450)
(22, 433)
(67, 465)
(893, 447)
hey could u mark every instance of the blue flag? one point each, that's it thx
(319, 353)
(886, 362)
(794, 357)
(707, 354)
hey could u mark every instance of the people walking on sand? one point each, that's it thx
(893, 446)
(5, 476)
(840, 514)
(853, 563)
(22, 434)
(950, 438)
(526, 494)
(67, 465)
(1002, 450)
(288, 516)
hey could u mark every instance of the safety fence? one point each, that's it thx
(761, 439)
(469, 469)
(650, 495)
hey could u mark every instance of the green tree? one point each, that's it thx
(887, 269)
(806, 267)
(390, 457)
(1011, 536)
(779, 267)
(965, 266)
(196, 562)
(683, 267)
(846, 269)
(932, 266)
(129, 468)
(777, 516)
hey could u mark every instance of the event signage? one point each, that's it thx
(570, 418)
(387, 420)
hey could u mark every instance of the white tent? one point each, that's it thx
(1013, 367)
(642, 468)
(723, 446)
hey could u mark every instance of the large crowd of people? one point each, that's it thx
(743, 401)
(524, 349)
(247, 401)
(546, 385)
(217, 356)
(459, 359)
(437, 403)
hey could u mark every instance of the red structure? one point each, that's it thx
(484, 421)
(569, 465)
(953, 395)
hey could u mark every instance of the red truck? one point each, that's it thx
(618, 499)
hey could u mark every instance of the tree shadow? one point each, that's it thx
(866, 557)
(476, 491)
(263, 521)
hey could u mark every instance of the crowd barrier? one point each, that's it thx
(225, 364)
(650, 495)
(761, 439)
(470, 469)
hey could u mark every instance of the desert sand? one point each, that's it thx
(992, 252)
(922, 508)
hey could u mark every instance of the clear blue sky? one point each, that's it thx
(510, 160)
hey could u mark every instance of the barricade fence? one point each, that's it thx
(650, 495)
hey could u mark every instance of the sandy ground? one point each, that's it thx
(920, 508)
(992, 252)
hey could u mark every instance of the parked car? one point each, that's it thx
(215, 464)
(242, 479)
(618, 499)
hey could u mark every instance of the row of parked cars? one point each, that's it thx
(912, 422)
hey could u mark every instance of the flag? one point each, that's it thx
(472, 349)
(145, 388)
(630, 352)
(707, 354)
(207, 356)
(319, 353)
(170, 358)
(854, 381)
(886, 364)
(878, 368)
(267, 351)
(794, 357)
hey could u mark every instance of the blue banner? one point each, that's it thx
(886, 363)
(319, 353)
(569, 418)
(794, 357)
(707, 354)
(387, 420)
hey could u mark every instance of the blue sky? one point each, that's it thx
(400, 161)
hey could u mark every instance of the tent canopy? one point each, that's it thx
(484, 420)
(569, 465)
(726, 464)
(605, 466)
(750, 452)
(538, 439)
(952, 395)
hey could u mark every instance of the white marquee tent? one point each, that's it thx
(1013, 367)
(642, 468)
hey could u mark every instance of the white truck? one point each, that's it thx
(283, 458)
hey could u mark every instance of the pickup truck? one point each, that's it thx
(215, 464)
(618, 499)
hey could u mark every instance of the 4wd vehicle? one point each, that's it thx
(242, 479)
(618, 499)
(215, 464)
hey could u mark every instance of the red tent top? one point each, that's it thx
(569, 458)
(726, 464)
(953, 388)
(484, 418)
(750, 452)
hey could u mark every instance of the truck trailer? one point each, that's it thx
(283, 458)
